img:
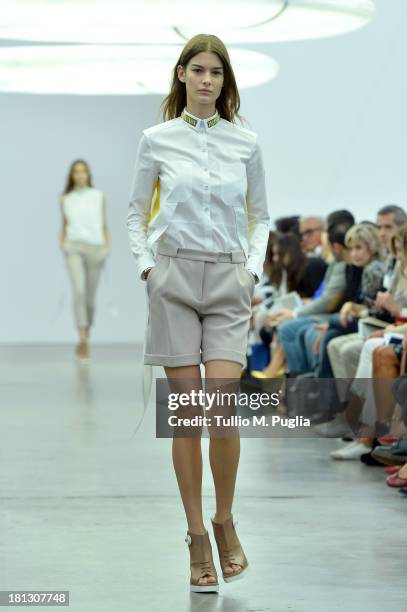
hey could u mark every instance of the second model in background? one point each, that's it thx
(85, 243)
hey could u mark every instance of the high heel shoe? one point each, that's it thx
(82, 351)
(202, 565)
(260, 374)
(230, 549)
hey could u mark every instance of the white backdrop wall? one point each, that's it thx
(333, 132)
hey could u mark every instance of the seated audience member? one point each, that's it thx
(293, 271)
(344, 351)
(387, 306)
(263, 289)
(311, 235)
(291, 324)
(390, 306)
(339, 217)
(263, 292)
(366, 250)
(397, 453)
(389, 218)
(285, 225)
(372, 403)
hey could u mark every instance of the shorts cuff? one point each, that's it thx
(172, 361)
(227, 354)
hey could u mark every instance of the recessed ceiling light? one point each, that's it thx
(172, 21)
(114, 70)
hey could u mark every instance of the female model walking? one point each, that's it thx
(85, 242)
(199, 226)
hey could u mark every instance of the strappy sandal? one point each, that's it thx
(82, 351)
(230, 549)
(202, 566)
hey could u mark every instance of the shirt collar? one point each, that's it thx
(197, 122)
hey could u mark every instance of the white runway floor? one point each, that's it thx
(86, 508)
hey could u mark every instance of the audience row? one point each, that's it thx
(330, 317)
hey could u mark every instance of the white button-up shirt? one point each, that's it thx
(199, 184)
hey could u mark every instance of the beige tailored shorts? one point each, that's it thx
(199, 307)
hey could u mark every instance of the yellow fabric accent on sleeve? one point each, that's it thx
(156, 205)
(248, 201)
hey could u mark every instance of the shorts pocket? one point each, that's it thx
(150, 273)
(158, 269)
(252, 280)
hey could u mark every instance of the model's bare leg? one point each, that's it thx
(83, 334)
(186, 452)
(187, 456)
(224, 452)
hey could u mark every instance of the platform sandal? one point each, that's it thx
(229, 549)
(202, 565)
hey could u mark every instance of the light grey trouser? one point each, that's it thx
(344, 353)
(85, 262)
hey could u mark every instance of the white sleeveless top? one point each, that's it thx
(83, 209)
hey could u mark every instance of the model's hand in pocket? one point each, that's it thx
(146, 273)
(252, 275)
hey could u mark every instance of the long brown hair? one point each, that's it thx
(228, 103)
(289, 247)
(400, 236)
(268, 260)
(69, 186)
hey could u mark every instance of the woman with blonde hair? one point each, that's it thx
(364, 281)
(198, 226)
(85, 242)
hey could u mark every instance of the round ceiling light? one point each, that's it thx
(173, 21)
(111, 70)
